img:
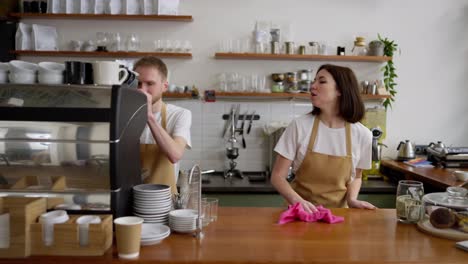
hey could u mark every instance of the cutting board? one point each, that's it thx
(449, 233)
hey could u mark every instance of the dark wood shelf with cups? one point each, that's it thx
(181, 18)
(125, 54)
(251, 95)
(265, 56)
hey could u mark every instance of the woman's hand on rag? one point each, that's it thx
(308, 206)
(355, 203)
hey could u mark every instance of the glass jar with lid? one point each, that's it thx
(277, 87)
(359, 48)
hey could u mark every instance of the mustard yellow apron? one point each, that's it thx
(321, 178)
(159, 167)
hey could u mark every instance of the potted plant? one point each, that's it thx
(389, 70)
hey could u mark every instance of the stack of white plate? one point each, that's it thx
(183, 220)
(152, 202)
(153, 233)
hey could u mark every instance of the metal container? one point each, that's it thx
(291, 77)
(302, 50)
(290, 47)
(275, 47)
(305, 75)
(304, 86)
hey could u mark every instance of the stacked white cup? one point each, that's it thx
(48, 221)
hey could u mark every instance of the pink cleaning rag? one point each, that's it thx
(296, 212)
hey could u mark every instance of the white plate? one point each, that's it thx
(441, 198)
(183, 213)
(153, 204)
(149, 231)
(150, 198)
(151, 188)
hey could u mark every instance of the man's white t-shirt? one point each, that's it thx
(178, 123)
(332, 141)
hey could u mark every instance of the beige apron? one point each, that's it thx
(321, 178)
(159, 167)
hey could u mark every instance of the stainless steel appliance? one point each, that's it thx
(405, 150)
(77, 145)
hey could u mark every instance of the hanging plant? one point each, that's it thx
(389, 70)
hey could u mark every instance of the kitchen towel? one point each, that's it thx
(296, 212)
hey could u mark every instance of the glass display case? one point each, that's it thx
(76, 145)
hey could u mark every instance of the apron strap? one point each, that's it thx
(314, 134)
(348, 140)
(163, 115)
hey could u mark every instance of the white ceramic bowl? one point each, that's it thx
(51, 67)
(461, 175)
(4, 67)
(23, 77)
(23, 66)
(50, 78)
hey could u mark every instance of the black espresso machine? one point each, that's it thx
(76, 145)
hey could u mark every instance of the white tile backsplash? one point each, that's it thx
(209, 148)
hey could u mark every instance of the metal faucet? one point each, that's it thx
(196, 172)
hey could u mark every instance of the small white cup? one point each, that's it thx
(5, 230)
(48, 221)
(461, 175)
(83, 227)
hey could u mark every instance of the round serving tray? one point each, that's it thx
(449, 233)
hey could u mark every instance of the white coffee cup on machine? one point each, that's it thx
(108, 73)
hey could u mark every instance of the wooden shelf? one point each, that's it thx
(250, 95)
(263, 56)
(184, 18)
(177, 95)
(101, 54)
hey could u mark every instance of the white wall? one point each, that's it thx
(432, 96)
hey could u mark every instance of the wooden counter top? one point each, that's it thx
(440, 178)
(251, 235)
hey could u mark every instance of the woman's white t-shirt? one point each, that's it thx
(178, 123)
(331, 141)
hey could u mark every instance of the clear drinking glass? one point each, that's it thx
(213, 208)
(409, 205)
(133, 42)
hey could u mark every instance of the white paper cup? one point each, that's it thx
(83, 227)
(48, 221)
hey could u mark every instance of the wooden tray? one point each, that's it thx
(449, 233)
(66, 240)
(23, 212)
(58, 184)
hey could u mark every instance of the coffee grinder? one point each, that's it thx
(374, 171)
(232, 152)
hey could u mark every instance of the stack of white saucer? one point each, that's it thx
(152, 202)
(153, 233)
(183, 220)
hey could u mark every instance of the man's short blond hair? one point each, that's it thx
(154, 62)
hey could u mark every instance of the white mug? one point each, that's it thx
(107, 73)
